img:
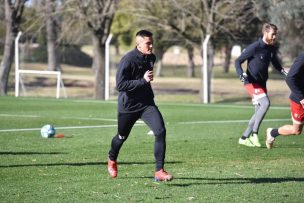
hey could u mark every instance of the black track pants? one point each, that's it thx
(153, 118)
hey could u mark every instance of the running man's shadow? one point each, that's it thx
(97, 163)
(224, 181)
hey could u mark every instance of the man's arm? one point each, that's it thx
(277, 65)
(293, 77)
(245, 55)
(124, 82)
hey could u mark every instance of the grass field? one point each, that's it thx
(202, 154)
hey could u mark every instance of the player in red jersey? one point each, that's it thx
(295, 81)
(258, 56)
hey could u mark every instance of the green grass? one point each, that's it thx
(205, 159)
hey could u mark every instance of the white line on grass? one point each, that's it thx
(63, 128)
(195, 105)
(141, 123)
(230, 121)
(64, 117)
(67, 117)
(179, 104)
(223, 106)
(14, 115)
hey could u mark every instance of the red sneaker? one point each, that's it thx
(112, 168)
(162, 175)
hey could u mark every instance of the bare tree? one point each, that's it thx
(98, 15)
(45, 20)
(13, 14)
(194, 20)
(227, 57)
(191, 64)
(158, 16)
(214, 17)
(289, 17)
(52, 34)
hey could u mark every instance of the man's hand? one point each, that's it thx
(148, 76)
(284, 72)
(243, 77)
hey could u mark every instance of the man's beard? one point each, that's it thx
(270, 41)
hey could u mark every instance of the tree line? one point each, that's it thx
(186, 23)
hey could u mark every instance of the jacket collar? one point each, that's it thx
(139, 54)
(262, 43)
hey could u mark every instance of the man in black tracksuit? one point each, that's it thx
(258, 56)
(295, 82)
(136, 101)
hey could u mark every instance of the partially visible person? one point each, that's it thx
(295, 81)
(136, 101)
(258, 56)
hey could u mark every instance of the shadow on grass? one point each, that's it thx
(29, 153)
(81, 164)
(295, 146)
(223, 181)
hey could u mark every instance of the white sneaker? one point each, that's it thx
(255, 140)
(269, 139)
(246, 142)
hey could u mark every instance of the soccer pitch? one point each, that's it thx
(203, 155)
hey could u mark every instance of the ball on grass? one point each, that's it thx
(48, 131)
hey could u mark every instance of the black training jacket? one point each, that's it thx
(258, 56)
(135, 93)
(295, 79)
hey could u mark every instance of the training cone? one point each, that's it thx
(59, 136)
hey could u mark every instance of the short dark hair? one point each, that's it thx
(144, 33)
(268, 26)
